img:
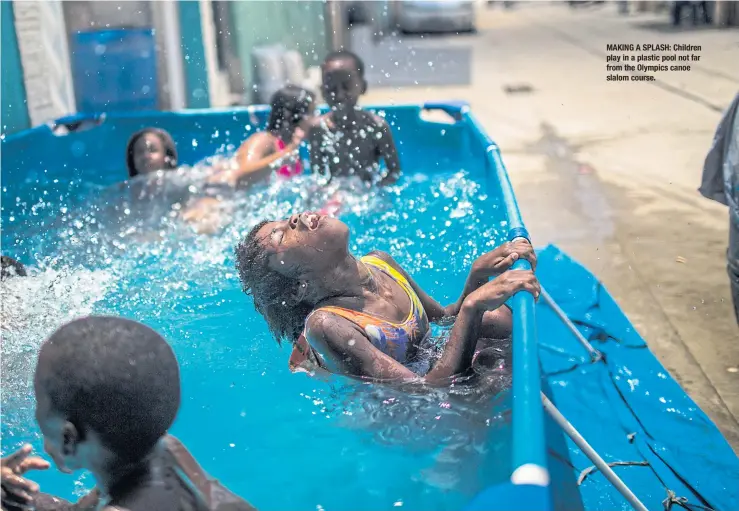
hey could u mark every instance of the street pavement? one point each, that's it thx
(609, 170)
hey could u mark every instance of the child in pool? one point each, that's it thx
(150, 150)
(290, 116)
(289, 119)
(107, 390)
(153, 149)
(367, 318)
(348, 140)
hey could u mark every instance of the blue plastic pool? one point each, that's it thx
(286, 441)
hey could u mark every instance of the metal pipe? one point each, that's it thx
(595, 355)
(592, 455)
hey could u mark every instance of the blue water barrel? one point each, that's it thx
(115, 69)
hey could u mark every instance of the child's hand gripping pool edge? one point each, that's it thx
(468, 326)
(492, 264)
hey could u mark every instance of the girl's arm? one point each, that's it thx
(487, 266)
(254, 160)
(348, 350)
(495, 323)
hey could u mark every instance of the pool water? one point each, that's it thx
(281, 440)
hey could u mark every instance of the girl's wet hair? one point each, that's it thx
(274, 294)
(169, 148)
(291, 103)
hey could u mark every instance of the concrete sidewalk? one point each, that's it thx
(608, 171)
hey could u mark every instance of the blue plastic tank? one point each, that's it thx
(115, 69)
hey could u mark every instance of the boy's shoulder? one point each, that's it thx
(372, 117)
(364, 118)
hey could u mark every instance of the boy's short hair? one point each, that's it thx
(347, 55)
(11, 268)
(114, 376)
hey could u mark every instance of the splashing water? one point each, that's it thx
(251, 423)
(32, 308)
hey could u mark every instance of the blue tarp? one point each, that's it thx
(627, 406)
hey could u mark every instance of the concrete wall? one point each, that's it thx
(42, 43)
(299, 25)
(95, 15)
(12, 94)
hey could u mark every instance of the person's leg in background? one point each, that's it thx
(732, 257)
(677, 11)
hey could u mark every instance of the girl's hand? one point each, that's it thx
(502, 258)
(16, 490)
(495, 293)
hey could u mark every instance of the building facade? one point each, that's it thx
(60, 58)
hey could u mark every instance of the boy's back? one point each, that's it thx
(171, 481)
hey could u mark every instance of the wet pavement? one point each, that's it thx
(609, 171)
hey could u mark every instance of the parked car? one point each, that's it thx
(436, 16)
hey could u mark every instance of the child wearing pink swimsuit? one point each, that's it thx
(289, 170)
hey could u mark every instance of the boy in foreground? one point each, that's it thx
(107, 390)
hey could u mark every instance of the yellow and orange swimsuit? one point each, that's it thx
(391, 338)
